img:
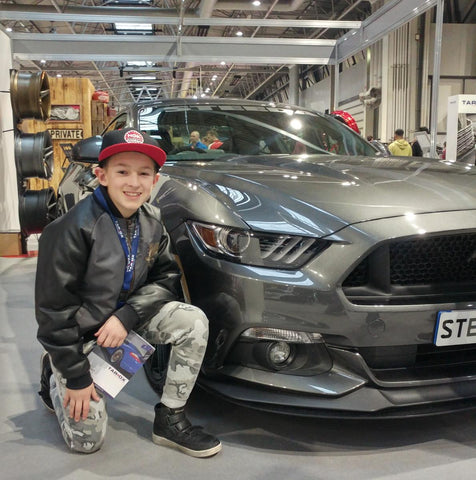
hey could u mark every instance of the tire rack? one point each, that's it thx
(30, 98)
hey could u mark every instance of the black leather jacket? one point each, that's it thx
(80, 276)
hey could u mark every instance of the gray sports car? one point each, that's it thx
(337, 282)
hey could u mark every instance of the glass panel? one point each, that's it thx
(248, 131)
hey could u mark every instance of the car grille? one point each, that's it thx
(419, 362)
(435, 269)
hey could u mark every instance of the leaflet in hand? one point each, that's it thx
(112, 368)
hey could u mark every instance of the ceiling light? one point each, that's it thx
(222, 62)
(43, 61)
(144, 77)
(133, 26)
(239, 33)
(125, 2)
(144, 28)
(58, 75)
(256, 3)
(136, 64)
(9, 29)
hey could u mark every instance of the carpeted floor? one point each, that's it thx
(255, 445)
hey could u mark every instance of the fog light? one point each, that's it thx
(279, 353)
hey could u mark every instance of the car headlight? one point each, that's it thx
(256, 248)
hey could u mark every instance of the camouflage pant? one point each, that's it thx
(85, 436)
(183, 326)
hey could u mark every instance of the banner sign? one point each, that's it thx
(63, 134)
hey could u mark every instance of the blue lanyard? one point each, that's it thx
(131, 254)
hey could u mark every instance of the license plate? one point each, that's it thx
(455, 327)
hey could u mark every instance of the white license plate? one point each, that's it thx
(455, 327)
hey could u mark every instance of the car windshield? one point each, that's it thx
(247, 130)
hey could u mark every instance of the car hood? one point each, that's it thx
(320, 195)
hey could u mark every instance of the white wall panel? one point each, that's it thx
(457, 49)
(318, 96)
(448, 88)
(470, 86)
(9, 220)
(351, 83)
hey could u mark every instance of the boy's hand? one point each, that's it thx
(112, 333)
(78, 401)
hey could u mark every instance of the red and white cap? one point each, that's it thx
(130, 140)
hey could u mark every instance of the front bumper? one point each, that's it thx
(341, 392)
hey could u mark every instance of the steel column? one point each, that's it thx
(436, 77)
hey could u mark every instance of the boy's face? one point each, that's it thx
(129, 178)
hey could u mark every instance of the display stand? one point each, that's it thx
(459, 127)
(70, 122)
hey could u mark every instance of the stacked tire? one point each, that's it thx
(30, 98)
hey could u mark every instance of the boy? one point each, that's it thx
(105, 268)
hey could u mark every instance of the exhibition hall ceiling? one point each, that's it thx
(139, 49)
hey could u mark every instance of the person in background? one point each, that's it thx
(215, 142)
(416, 147)
(206, 140)
(195, 141)
(443, 152)
(105, 268)
(400, 147)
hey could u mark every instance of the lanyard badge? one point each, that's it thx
(130, 254)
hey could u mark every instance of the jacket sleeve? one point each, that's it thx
(62, 259)
(162, 286)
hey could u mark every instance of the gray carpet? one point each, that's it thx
(255, 445)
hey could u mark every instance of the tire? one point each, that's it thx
(37, 208)
(117, 355)
(156, 367)
(30, 95)
(34, 155)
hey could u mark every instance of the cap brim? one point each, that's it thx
(155, 153)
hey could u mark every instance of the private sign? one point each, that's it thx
(76, 134)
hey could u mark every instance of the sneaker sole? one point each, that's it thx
(48, 407)
(193, 453)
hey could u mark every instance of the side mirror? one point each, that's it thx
(87, 150)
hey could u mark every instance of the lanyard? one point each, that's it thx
(131, 254)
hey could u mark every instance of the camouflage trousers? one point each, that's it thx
(181, 325)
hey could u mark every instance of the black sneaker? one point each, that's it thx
(172, 428)
(46, 373)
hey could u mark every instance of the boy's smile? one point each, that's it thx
(129, 178)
